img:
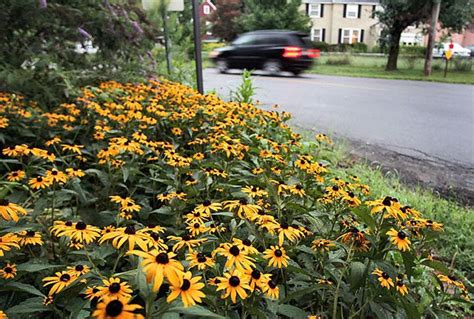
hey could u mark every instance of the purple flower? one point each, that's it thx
(137, 27)
(43, 4)
(84, 33)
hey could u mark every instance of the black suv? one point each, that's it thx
(270, 50)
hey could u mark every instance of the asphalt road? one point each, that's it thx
(433, 121)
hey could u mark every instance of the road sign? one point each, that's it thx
(174, 5)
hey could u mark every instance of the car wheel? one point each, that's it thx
(272, 66)
(222, 66)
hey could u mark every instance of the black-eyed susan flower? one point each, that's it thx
(271, 289)
(254, 191)
(129, 235)
(383, 278)
(196, 228)
(40, 182)
(72, 148)
(48, 300)
(159, 264)
(207, 207)
(78, 270)
(276, 257)
(91, 293)
(258, 280)
(75, 172)
(60, 281)
(10, 211)
(56, 176)
(188, 287)
(8, 271)
(199, 260)
(242, 207)
(288, 232)
(235, 284)
(322, 245)
(297, 190)
(186, 241)
(112, 308)
(389, 205)
(400, 239)
(29, 237)
(7, 242)
(401, 287)
(16, 176)
(81, 232)
(245, 245)
(236, 258)
(114, 288)
(60, 227)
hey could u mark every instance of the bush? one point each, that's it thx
(359, 47)
(161, 197)
(413, 50)
(345, 60)
(462, 64)
(322, 46)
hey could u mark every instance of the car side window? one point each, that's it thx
(245, 40)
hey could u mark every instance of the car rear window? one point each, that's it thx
(303, 40)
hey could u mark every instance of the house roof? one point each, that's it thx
(343, 1)
(208, 2)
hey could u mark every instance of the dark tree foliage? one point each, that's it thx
(397, 15)
(225, 19)
(273, 14)
(39, 58)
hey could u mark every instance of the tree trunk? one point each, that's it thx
(394, 49)
(431, 37)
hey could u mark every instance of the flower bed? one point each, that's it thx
(152, 200)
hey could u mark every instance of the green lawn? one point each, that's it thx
(374, 67)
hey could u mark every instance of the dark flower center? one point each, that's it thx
(15, 174)
(197, 225)
(186, 237)
(186, 285)
(272, 284)
(400, 283)
(256, 274)
(201, 258)
(54, 173)
(284, 225)
(8, 270)
(351, 194)
(299, 187)
(79, 268)
(197, 214)
(114, 288)
(155, 236)
(81, 226)
(4, 202)
(335, 188)
(65, 278)
(278, 253)
(254, 188)
(68, 223)
(247, 242)
(385, 276)
(243, 201)
(114, 308)
(234, 250)
(130, 230)
(401, 235)
(387, 201)
(234, 281)
(452, 277)
(206, 203)
(30, 233)
(162, 258)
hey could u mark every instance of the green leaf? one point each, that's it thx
(18, 286)
(409, 262)
(30, 305)
(437, 265)
(32, 267)
(357, 274)
(291, 312)
(198, 311)
(365, 216)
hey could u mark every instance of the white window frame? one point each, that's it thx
(314, 7)
(313, 34)
(351, 35)
(206, 9)
(352, 9)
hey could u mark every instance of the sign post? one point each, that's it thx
(448, 55)
(197, 46)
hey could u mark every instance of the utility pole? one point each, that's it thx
(432, 36)
(164, 15)
(197, 46)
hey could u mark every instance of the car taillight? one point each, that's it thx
(314, 53)
(292, 52)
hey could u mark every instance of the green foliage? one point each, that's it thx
(462, 64)
(38, 57)
(344, 60)
(273, 14)
(246, 90)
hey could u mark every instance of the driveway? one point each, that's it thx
(429, 122)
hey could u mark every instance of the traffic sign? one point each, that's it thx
(448, 54)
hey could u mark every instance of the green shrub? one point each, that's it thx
(359, 47)
(413, 50)
(462, 64)
(323, 46)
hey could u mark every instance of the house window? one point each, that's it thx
(350, 36)
(352, 11)
(317, 35)
(314, 10)
(207, 9)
